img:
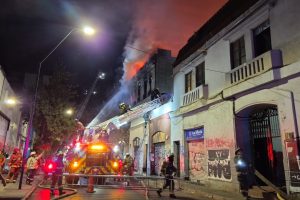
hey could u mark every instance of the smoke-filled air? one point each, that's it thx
(166, 24)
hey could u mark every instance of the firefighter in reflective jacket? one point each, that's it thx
(242, 172)
(128, 165)
(57, 174)
(168, 170)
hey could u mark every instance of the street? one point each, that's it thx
(112, 191)
(104, 193)
(113, 194)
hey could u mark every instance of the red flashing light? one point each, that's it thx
(50, 166)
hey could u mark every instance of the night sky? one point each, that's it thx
(29, 29)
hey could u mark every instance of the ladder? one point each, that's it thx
(134, 113)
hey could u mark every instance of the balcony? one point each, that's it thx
(265, 62)
(194, 95)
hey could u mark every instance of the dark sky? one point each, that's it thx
(29, 29)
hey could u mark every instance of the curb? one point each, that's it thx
(74, 191)
(28, 194)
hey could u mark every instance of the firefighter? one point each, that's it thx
(2, 163)
(32, 166)
(15, 164)
(168, 170)
(57, 174)
(242, 172)
(120, 164)
(128, 164)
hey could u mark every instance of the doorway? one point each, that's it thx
(266, 144)
(177, 156)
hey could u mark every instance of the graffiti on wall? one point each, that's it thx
(219, 143)
(219, 164)
(197, 160)
(294, 162)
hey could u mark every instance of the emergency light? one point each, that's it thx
(115, 164)
(75, 164)
(50, 166)
(97, 147)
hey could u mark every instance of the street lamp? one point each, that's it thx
(10, 101)
(69, 112)
(85, 30)
(88, 30)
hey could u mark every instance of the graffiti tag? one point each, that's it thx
(219, 143)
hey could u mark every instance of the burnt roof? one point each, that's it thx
(229, 12)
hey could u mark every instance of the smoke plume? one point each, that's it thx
(163, 24)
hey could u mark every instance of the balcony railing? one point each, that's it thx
(258, 65)
(194, 95)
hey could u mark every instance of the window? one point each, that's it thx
(237, 52)
(150, 84)
(262, 38)
(200, 77)
(188, 82)
(145, 87)
(139, 92)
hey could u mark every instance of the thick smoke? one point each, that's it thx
(163, 24)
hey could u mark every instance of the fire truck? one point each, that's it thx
(95, 158)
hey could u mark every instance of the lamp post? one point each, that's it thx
(87, 31)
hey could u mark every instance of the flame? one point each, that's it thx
(133, 68)
(153, 28)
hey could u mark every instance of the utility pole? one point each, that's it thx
(146, 132)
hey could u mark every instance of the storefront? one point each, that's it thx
(196, 153)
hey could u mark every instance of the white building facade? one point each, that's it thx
(236, 84)
(10, 130)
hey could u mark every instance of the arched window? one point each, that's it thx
(136, 142)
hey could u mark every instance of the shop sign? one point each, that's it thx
(194, 134)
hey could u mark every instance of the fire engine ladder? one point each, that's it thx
(133, 113)
(139, 111)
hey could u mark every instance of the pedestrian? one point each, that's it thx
(15, 163)
(57, 174)
(168, 170)
(2, 164)
(32, 166)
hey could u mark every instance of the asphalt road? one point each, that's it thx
(100, 193)
(111, 191)
(114, 191)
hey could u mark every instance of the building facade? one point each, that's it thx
(153, 128)
(236, 86)
(10, 113)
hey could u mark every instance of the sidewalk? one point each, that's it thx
(199, 195)
(189, 191)
(12, 192)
